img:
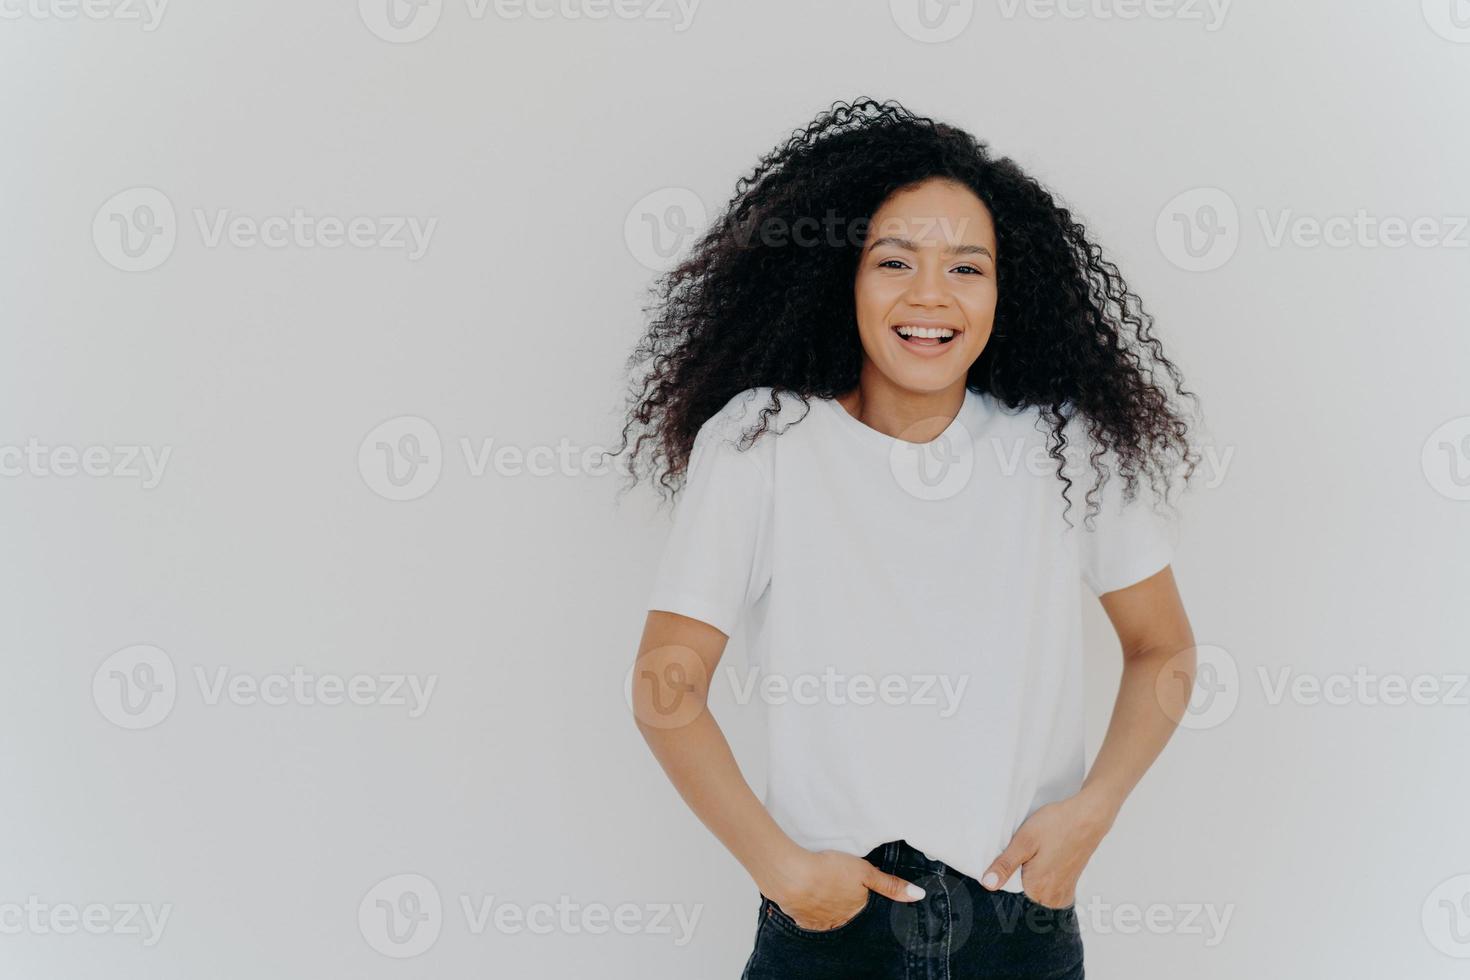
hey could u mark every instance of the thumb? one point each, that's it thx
(1017, 853)
(893, 887)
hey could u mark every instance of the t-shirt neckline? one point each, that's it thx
(953, 431)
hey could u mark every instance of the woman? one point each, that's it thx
(871, 375)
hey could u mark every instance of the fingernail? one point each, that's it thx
(914, 892)
(990, 880)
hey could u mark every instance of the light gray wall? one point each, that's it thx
(1328, 838)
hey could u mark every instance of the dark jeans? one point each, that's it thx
(957, 930)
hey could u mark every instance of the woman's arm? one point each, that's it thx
(1056, 842)
(676, 658)
(1155, 634)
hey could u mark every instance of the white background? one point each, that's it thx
(1335, 538)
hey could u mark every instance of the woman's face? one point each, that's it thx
(927, 269)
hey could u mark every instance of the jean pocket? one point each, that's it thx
(1047, 908)
(785, 923)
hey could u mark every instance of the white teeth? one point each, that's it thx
(934, 333)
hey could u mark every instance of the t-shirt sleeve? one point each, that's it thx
(716, 561)
(1128, 541)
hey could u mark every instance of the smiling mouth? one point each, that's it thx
(915, 335)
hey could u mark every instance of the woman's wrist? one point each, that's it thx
(1099, 805)
(777, 869)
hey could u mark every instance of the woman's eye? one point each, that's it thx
(972, 269)
(892, 264)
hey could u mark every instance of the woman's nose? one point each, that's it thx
(927, 287)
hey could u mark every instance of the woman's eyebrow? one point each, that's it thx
(905, 243)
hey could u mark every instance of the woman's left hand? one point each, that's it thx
(1053, 846)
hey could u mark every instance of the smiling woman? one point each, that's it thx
(971, 322)
(1063, 333)
(932, 287)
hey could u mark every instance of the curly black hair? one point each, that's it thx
(747, 309)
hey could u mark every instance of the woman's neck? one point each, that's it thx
(914, 416)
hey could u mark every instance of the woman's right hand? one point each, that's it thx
(827, 889)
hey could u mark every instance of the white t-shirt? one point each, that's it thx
(913, 613)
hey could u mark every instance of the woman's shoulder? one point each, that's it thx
(1033, 418)
(750, 421)
(745, 409)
